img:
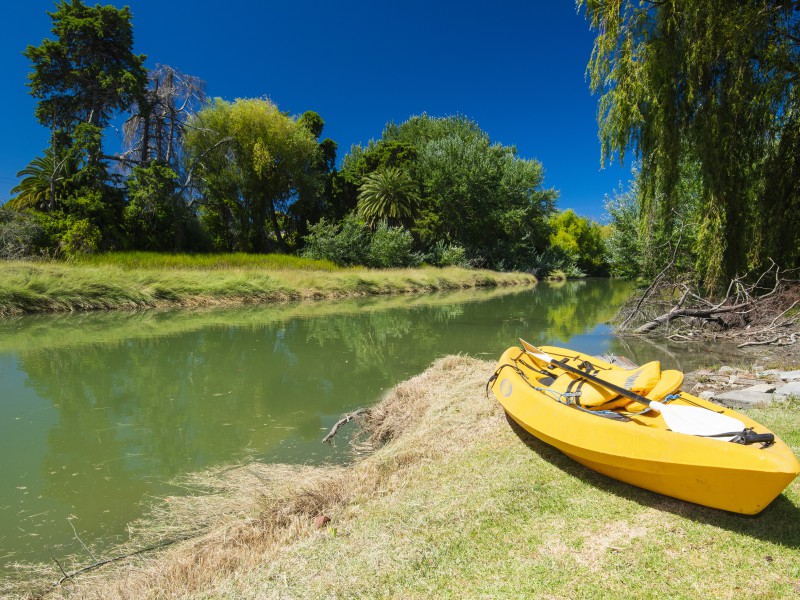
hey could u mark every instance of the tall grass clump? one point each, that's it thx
(238, 260)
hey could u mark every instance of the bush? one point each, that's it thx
(352, 243)
(81, 237)
(392, 247)
(344, 244)
(448, 255)
(551, 260)
(21, 234)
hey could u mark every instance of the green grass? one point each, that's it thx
(238, 260)
(135, 280)
(462, 504)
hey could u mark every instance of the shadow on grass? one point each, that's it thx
(779, 523)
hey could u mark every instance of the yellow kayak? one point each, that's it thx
(630, 441)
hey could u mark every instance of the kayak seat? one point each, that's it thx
(590, 395)
(670, 382)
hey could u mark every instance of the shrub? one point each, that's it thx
(448, 255)
(21, 234)
(551, 260)
(352, 243)
(81, 237)
(392, 247)
(344, 244)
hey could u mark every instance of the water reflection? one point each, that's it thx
(100, 411)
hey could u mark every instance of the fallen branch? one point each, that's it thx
(345, 419)
(100, 563)
(741, 304)
(761, 343)
(655, 283)
(85, 547)
(778, 340)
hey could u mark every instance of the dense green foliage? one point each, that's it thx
(80, 80)
(387, 194)
(251, 159)
(705, 93)
(469, 192)
(581, 240)
(351, 242)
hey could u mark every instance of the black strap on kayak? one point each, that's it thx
(747, 437)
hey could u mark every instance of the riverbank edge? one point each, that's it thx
(450, 499)
(36, 287)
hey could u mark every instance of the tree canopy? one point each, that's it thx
(709, 86)
(387, 195)
(473, 193)
(194, 174)
(252, 160)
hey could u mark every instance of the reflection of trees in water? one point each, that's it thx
(574, 307)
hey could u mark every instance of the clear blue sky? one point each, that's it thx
(516, 67)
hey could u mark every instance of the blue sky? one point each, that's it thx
(515, 67)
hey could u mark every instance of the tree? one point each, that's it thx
(155, 129)
(485, 198)
(86, 73)
(314, 200)
(473, 194)
(580, 239)
(711, 83)
(156, 216)
(251, 160)
(44, 181)
(623, 245)
(387, 195)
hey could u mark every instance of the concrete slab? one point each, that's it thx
(790, 389)
(765, 388)
(743, 398)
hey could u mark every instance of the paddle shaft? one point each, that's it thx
(589, 377)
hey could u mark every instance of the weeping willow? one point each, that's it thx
(712, 84)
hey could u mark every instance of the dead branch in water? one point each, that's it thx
(345, 419)
(757, 308)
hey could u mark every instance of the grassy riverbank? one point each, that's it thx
(144, 281)
(455, 502)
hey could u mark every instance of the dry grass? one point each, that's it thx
(453, 501)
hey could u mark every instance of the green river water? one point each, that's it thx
(100, 412)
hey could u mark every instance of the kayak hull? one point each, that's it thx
(642, 451)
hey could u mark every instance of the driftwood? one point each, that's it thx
(747, 310)
(345, 419)
(101, 563)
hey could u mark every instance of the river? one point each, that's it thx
(100, 412)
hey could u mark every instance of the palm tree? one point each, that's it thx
(42, 179)
(387, 194)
